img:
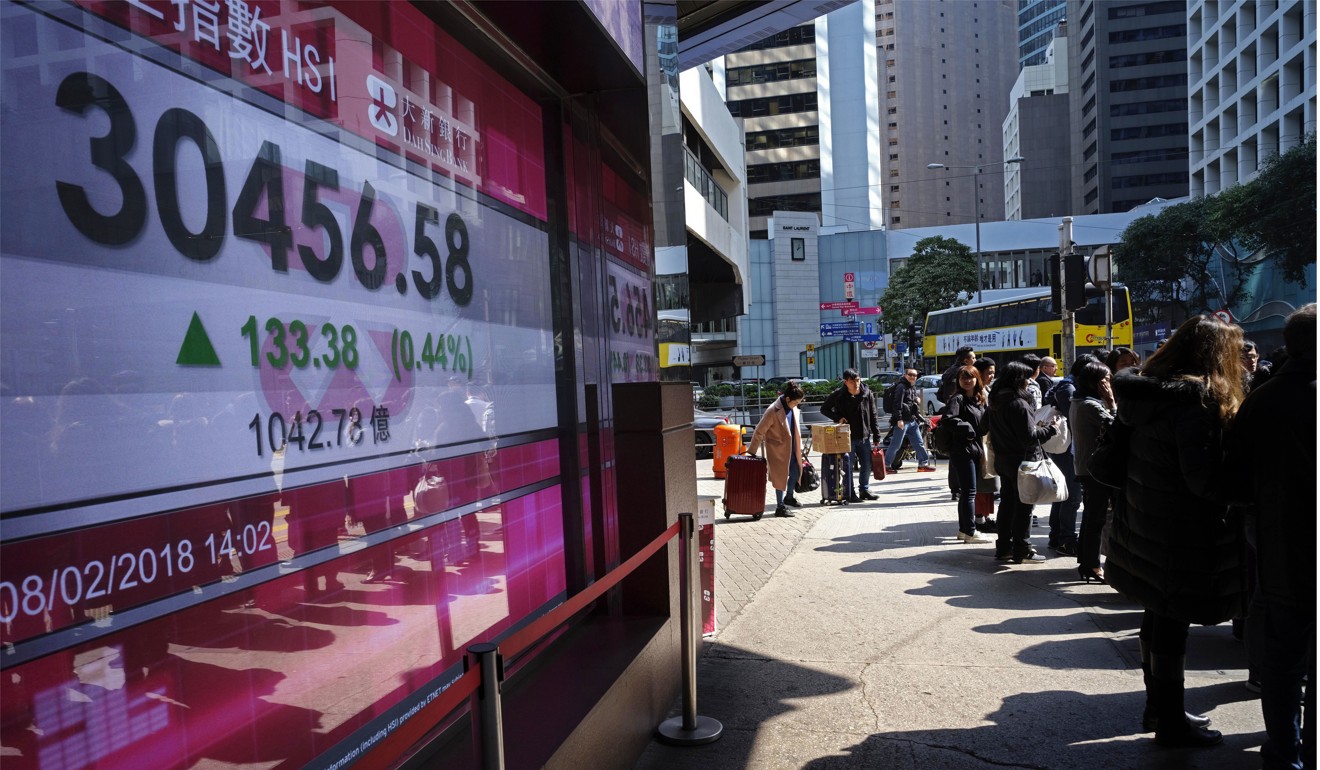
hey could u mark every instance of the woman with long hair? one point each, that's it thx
(1091, 413)
(780, 430)
(1015, 436)
(965, 416)
(1172, 548)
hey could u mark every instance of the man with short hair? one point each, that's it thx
(906, 418)
(966, 356)
(1280, 487)
(854, 403)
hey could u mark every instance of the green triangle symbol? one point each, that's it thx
(197, 349)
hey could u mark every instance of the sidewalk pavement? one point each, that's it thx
(866, 635)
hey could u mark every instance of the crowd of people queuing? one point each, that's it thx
(1209, 507)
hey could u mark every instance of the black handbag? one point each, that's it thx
(808, 479)
(1108, 463)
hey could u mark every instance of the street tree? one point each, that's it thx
(941, 273)
(1278, 209)
(1162, 255)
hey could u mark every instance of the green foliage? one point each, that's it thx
(1278, 211)
(718, 390)
(819, 388)
(708, 400)
(941, 273)
(1160, 252)
(1165, 258)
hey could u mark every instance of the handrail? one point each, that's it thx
(384, 753)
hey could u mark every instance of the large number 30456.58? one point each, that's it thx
(82, 90)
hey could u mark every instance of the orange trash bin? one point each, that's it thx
(728, 442)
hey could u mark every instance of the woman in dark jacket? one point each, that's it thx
(1171, 547)
(964, 415)
(1015, 436)
(1090, 414)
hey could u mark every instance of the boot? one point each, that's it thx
(1150, 719)
(1172, 729)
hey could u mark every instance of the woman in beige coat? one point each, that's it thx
(779, 430)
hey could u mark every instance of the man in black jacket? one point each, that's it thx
(1280, 486)
(853, 403)
(906, 419)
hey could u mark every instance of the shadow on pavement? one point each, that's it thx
(1051, 729)
(744, 691)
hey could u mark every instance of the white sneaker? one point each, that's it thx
(966, 538)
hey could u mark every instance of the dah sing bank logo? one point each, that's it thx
(383, 101)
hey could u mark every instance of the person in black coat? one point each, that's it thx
(1015, 436)
(963, 418)
(1279, 486)
(1091, 413)
(1172, 548)
(854, 403)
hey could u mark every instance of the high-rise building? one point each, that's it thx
(1252, 86)
(807, 97)
(1128, 61)
(1036, 130)
(945, 68)
(1036, 22)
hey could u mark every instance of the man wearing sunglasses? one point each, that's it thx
(907, 423)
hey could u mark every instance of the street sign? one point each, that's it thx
(1224, 315)
(841, 327)
(860, 338)
(871, 344)
(811, 360)
(865, 311)
(837, 305)
(900, 348)
(810, 347)
(866, 353)
(749, 360)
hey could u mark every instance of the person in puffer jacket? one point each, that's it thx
(1015, 437)
(1172, 547)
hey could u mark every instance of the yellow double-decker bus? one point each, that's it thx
(1010, 328)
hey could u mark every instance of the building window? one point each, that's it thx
(895, 220)
(799, 249)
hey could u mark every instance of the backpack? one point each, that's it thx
(891, 399)
(941, 436)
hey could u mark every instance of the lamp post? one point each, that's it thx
(976, 199)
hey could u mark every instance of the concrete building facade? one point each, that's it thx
(1035, 129)
(1252, 86)
(1128, 61)
(807, 99)
(945, 68)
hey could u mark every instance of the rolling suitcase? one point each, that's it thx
(832, 470)
(744, 486)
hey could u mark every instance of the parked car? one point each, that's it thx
(928, 390)
(886, 379)
(703, 424)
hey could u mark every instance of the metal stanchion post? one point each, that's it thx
(689, 729)
(487, 716)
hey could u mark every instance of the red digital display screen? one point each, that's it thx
(279, 415)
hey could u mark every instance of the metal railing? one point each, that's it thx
(483, 677)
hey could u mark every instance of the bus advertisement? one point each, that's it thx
(1008, 329)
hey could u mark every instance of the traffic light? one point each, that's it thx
(1056, 286)
(1074, 284)
(912, 337)
(1071, 291)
